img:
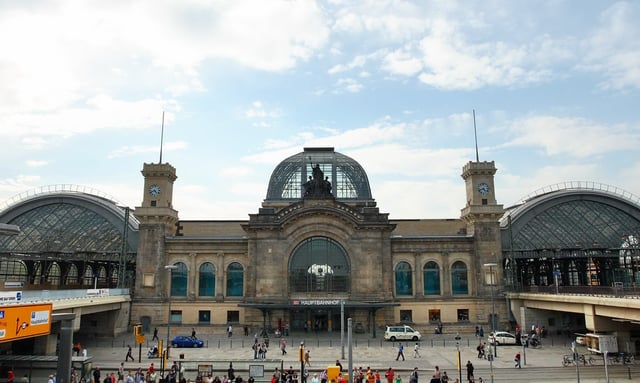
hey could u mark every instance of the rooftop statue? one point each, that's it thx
(318, 186)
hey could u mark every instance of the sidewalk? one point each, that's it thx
(325, 349)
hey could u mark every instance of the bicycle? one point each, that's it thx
(570, 360)
(621, 358)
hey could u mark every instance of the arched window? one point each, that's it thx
(319, 264)
(72, 275)
(87, 279)
(235, 280)
(179, 280)
(114, 277)
(404, 280)
(102, 276)
(459, 282)
(431, 278)
(53, 274)
(15, 271)
(207, 280)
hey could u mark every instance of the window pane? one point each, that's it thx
(459, 283)
(431, 278)
(179, 280)
(404, 280)
(207, 280)
(319, 264)
(235, 280)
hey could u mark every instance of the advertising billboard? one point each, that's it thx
(24, 321)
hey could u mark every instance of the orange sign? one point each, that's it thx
(24, 321)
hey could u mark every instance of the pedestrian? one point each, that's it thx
(11, 376)
(389, 374)
(481, 332)
(400, 351)
(256, 348)
(50, 380)
(126, 358)
(283, 346)
(339, 364)
(416, 351)
(96, 375)
(435, 378)
(193, 333)
(155, 334)
(229, 331)
(444, 378)
(470, 377)
(121, 372)
(517, 360)
(306, 359)
(413, 377)
(231, 372)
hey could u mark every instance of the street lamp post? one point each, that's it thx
(169, 268)
(493, 316)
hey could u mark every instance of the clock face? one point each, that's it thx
(154, 190)
(483, 188)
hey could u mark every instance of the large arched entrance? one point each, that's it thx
(319, 271)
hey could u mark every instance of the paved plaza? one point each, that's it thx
(540, 364)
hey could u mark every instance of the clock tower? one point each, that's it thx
(482, 214)
(481, 197)
(157, 219)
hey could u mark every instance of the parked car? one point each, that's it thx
(401, 332)
(186, 341)
(502, 337)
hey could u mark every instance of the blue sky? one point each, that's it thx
(245, 84)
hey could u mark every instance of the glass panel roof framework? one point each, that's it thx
(348, 179)
(79, 226)
(571, 220)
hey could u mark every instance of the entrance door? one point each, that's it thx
(319, 320)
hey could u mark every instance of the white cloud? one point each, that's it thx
(349, 84)
(575, 137)
(614, 48)
(36, 163)
(402, 63)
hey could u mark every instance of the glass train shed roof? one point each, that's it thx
(571, 218)
(74, 224)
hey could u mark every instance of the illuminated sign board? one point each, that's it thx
(24, 321)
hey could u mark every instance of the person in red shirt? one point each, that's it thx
(389, 375)
(11, 376)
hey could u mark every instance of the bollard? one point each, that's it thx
(629, 371)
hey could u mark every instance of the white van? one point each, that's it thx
(401, 332)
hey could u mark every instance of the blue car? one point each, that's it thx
(186, 341)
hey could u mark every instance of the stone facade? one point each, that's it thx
(266, 244)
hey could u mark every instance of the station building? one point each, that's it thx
(319, 244)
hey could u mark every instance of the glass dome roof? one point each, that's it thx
(348, 179)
